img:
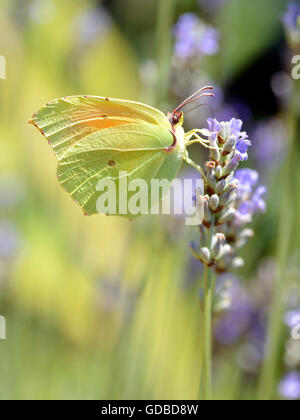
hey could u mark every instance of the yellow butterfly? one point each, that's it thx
(96, 138)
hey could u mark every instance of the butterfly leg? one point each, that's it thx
(193, 164)
(193, 137)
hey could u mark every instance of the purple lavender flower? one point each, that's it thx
(236, 126)
(213, 126)
(242, 147)
(243, 143)
(194, 38)
(229, 200)
(289, 387)
(233, 127)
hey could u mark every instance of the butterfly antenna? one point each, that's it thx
(194, 97)
(198, 97)
(198, 106)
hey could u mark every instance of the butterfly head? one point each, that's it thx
(175, 117)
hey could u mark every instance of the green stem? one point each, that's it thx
(207, 336)
(165, 19)
(207, 327)
(285, 231)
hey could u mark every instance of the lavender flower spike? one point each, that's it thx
(232, 196)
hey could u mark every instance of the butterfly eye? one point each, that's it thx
(112, 163)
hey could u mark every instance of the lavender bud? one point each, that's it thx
(205, 256)
(225, 131)
(229, 145)
(225, 258)
(227, 216)
(210, 165)
(212, 180)
(217, 243)
(232, 199)
(219, 172)
(226, 197)
(214, 202)
(215, 152)
(220, 187)
(231, 165)
(226, 250)
(205, 204)
(229, 179)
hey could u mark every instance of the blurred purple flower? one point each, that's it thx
(257, 201)
(292, 318)
(91, 25)
(269, 138)
(250, 200)
(237, 319)
(247, 178)
(194, 38)
(291, 18)
(291, 22)
(289, 387)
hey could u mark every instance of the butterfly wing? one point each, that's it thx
(97, 138)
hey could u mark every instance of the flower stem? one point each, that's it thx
(286, 220)
(207, 327)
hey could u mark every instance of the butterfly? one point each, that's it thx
(97, 138)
